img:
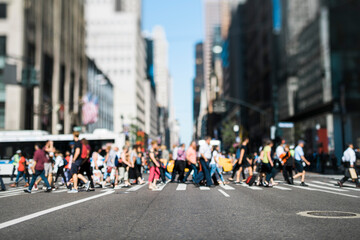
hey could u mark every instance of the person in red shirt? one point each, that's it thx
(21, 172)
(86, 165)
(38, 169)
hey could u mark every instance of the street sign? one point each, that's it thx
(219, 106)
(286, 125)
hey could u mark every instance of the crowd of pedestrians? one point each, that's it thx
(84, 169)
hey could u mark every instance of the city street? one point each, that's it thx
(182, 211)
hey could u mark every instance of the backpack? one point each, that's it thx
(84, 150)
(65, 162)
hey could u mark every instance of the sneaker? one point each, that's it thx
(87, 186)
(340, 184)
(48, 189)
(303, 184)
(35, 187)
(27, 190)
(73, 191)
(238, 183)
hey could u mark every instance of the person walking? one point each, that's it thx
(154, 165)
(21, 172)
(349, 159)
(39, 160)
(86, 164)
(76, 164)
(245, 162)
(3, 188)
(180, 164)
(164, 159)
(15, 160)
(299, 159)
(205, 158)
(288, 163)
(267, 163)
(191, 157)
(138, 164)
(59, 166)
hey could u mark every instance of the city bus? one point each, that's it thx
(11, 141)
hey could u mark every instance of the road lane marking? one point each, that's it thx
(347, 186)
(224, 193)
(325, 191)
(202, 188)
(327, 188)
(11, 195)
(282, 188)
(133, 189)
(227, 187)
(252, 187)
(50, 210)
(181, 187)
(160, 188)
(59, 191)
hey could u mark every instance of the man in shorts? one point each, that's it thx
(299, 159)
(76, 164)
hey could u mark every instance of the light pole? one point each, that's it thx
(236, 129)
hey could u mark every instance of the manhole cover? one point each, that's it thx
(329, 214)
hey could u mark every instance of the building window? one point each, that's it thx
(2, 46)
(3, 12)
(2, 115)
(118, 5)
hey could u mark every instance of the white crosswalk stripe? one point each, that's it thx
(347, 186)
(224, 193)
(160, 188)
(227, 187)
(323, 187)
(256, 188)
(325, 191)
(181, 187)
(204, 188)
(282, 188)
(137, 187)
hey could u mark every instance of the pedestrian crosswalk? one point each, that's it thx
(326, 186)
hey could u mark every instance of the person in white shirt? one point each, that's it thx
(59, 166)
(349, 159)
(299, 159)
(215, 168)
(205, 158)
(280, 150)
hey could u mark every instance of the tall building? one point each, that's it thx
(198, 84)
(98, 102)
(325, 111)
(43, 53)
(161, 66)
(151, 105)
(162, 82)
(115, 42)
(212, 10)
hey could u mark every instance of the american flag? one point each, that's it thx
(90, 109)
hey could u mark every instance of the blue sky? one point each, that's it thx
(183, 24)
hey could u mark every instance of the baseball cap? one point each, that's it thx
(18, 151)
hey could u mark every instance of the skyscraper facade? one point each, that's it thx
(115, 42)
(43, 46)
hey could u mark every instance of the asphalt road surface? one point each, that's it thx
(182, 211)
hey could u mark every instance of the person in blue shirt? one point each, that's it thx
(299, 159)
